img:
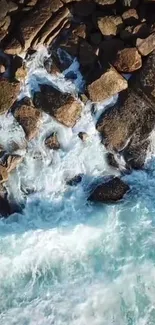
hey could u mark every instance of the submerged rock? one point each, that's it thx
(75, 180)
(62, 106)
(52, 142)
(110, 191)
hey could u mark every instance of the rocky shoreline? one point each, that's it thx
(110, 39)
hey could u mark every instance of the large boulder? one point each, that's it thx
(128, 60)
(62, 106)
(110, 83)
(125, 128)
(110, 25)
(8, 94)
(145, 78)
(112, 190)
(119, 123)
(28, 117)
(147, 45)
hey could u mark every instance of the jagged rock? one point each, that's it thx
(75, 180)
(130, 17)
(52, 142)
(145, 78)
(28, 117)
(109, 84)
(110, 25)
(84, 8)
(128, 60)
(10, 162)
(83, 136)
(110, 191)
(3, 174)
(8, 94)
(52, 24)
(127, 125)
(80, 31)
(62, 106)
(32, 24)
(147, 45)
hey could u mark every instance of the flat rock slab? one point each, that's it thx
(109, 84)
(110, 191)
(147, 45)
(62, 106)
(8, 94)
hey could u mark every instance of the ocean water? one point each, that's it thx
(63, 260)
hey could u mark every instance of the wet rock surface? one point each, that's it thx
(52, 142)
(110, 191)
(62, 106)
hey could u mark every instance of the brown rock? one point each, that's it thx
(130, 17)
(142, 30)
(62, 106)
(52, 142)
(109, 84)
(128, 60)
(52, 24)
(131, 117)
(13, 47)
(110, 25)
(65, 24)
(12, 6)
(83, 136)
(32, 24)
(11, 162)
(109, 191)
(4, 9)
(21, 73)
(84, 8)
(3, 174)
(80, 31)
(8, 94)
(147, 45)
(28, 117)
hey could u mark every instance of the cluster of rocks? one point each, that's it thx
(110, 38)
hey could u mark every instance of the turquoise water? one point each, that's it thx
(65, 261)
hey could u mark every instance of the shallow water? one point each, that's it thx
(65, 261)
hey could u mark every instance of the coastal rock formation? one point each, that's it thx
(62, 106)
(110, 191)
